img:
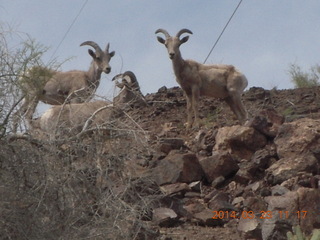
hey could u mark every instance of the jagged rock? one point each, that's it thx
(194, 207)
(221, 202)
(309, 207)
(298, 137)
(239, 140)
(196, 186)
(254, 187)
(255, 93)
(237, 202)
(204, 218)
(163, 89)
(251, 228)
(164, 217)
(300, 207)
(255, 204)
(204, 141)
(218, 181)
(283, 215)
(264, 157)
(244, 176)
(200, 214)
(279, 190)
(192, 195)
(178, 167)
(219, 164)
(210, 195)
(287, 168)
(168, 144)
(267, 122)
(175, 188)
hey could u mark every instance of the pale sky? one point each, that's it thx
(262, 40)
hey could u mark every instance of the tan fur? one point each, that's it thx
(56, 88)
(74, 118)
(218, 81)
(130, 93)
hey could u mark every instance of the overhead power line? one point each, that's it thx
(68, 30)
(214, 45)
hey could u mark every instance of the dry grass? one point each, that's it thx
(78, 188)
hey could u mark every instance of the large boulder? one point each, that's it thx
(219, 164)
(239, 140)
(300, 207)
(298, 137)
(297, 145)
(287, 168)
(178, 167)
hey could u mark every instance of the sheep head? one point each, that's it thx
(173, 43)
(101, 58)
(128, 79)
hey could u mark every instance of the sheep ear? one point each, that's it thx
(112, 53)
(184, 39)
(91, 53)
(161, 40)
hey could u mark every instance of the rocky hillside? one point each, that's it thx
(147, 177)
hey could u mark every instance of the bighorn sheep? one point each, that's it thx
(130, 90)
(74, 118)
(74, 86)
(218, 81)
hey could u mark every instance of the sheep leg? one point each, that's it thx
(195, 103)
(237, 107)
(242, 110)
(189, 111)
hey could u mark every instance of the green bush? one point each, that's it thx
(302, 79)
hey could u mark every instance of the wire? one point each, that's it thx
(214, 45)
(68, 30)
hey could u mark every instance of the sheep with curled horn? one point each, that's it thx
(130, 93)
(196, 79)
(74, 118)
(57, 87)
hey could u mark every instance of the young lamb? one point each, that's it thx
(56, 87)
(196, 79)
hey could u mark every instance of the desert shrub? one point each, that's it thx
(302, 78)
(71, 187)
(18, 54)
(76, 188)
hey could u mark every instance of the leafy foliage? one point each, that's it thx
(18, 54)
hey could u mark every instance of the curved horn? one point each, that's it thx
(92, 44)
(117, 76)
(184, 30)
(160, 30)
(131, 75)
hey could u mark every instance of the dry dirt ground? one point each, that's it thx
(166, 116)
(167, 110)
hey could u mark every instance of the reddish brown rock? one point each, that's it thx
(164, 217)
(287, 168)
(219, 164)
(297, 138)
(178, 167)
(239, 140)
